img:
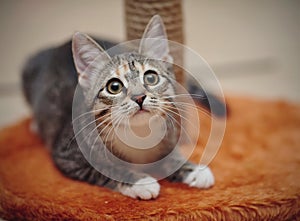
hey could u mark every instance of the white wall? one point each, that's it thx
(253, 46)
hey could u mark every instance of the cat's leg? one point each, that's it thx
(194, 175)
(70, 160)
(199, 176)
(141, 186)
(144, 188)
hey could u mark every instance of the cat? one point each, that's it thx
(129, 85)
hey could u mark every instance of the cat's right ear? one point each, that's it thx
(89, 59)
(154, 42)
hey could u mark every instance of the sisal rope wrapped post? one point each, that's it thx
(138, 14)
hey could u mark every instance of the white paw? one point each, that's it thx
(200, 177)
(145, 189)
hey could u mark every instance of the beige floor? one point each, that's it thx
(253, 46)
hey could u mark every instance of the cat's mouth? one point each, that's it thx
(141, 111)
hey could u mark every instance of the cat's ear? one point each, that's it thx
(89, 59)
(154, 42)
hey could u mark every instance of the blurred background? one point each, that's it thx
(252, 46)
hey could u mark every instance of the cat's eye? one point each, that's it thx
(114, 86)
(151, 78)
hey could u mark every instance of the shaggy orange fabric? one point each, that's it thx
(257, 176)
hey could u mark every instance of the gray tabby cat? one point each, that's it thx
(129, 85)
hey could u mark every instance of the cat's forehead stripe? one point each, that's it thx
(126, 67)
(122, 68)
(118, 72)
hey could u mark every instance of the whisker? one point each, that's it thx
(174, 119)
(184, 108)
(177, 103)
(167, 109)
(113, 136)
(190, 95)
(97, 126)
(129, 128)
(117, 122)
(93, 145)
(89, 112)
(99, 118)
(103, 140)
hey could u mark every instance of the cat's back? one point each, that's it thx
(51, 67)
(49, 79)
(46, 69)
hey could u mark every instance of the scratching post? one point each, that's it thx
(139, 12)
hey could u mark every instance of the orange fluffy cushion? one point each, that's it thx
(257, 174)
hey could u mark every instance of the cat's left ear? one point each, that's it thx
(89, 59)
(154, 43)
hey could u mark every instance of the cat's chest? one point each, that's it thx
(141, 141)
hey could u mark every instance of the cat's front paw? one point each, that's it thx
(200, 177)
(146, 188)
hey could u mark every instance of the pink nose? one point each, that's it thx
(139, 99)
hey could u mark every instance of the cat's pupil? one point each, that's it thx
(115, 86)
(151, 78)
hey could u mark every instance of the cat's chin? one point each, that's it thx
(141, 115)
(142, 111)
(138, 111)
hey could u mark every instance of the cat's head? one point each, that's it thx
(130, 84)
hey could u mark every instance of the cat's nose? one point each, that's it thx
(139, 99)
